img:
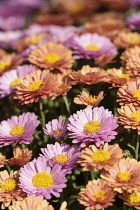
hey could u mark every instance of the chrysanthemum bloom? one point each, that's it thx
(123, 176)
(129, 117)
(133, 21)
(56, 128)
(97, 195)
(38, 179)
(131, 199)
(12, 22)
(129, 93)
(64, 154)
(20, 157)
(9, 189)
(51, 56)
(125, 40)
(9, 61)
(128, 53)
(91, 46)
(3, 160)
(88, 75)
(30, 203)
(90, 101)
(90, 126)
(38, 84)
(18, 129)
(117, 77)
(100, 158)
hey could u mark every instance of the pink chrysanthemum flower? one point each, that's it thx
(95, 125)
(91, 46)
(97, 195)
(18, 129)
(38, 179)
(63, 154)
(56, 128)
(133, 21)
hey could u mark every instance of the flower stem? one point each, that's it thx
(92, 173)
(66, 103)
(8, 168)
(137, 148)
(42, 118)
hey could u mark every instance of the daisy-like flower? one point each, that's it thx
(3, 160)
(51, 56)
(133, 21)
(36, 85)
(128, 53)
(131, 199)
(18, 129)
(20, 157)
(130, 93)
(9, 189)
(90, 101)
(100, 158)
(38, 179)
(63, 154)
(56, 128)
(129, 117)
(97, 195)
(91, 46)
(123, 176)
(90, 126)
(31, 202)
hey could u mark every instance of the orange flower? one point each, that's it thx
(38, 84)
(97, 195)
(123, 176)
(131, 199)
(3, 160)
(88, 100)
(100, 158)
(21, 157)
(52, 56)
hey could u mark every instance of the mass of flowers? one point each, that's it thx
(69, 104)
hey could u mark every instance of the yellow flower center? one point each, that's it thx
(92, 47)
(124, 176)
(77, 7)
(5, 64)
(100, 156)
(134, 197)
(134, 41)
(92, 126)
(35, 85)
(124, 76)
(52, 57)
(9, 184)
(91, 99)
(100, 194)
(42, 179)
(136, 115)
(17, 130)
(35, 40)
(15, 82)
(61, 158)
(57, 131)
(137, 94)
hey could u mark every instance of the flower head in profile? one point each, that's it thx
(18, 129)
(63, 154)
(97, 195)
(123, 176)
(37, 178)
(92, 126)
(3, 160)
(100, 158)
(56, 128)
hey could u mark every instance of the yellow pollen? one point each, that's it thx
(42, 179)
(9, 184)
(61, 158)
(15, 82)
(91, 99)
(124, 176)
(92, 47)
(35, 85)
(124, 76)
(5, 64)
(137, 94)
(77, 7)
(57, 131)
(136, 115)
(52, 57)
(91, 126)
(17, 130)
(134, 41)
(100, 156)
(134, 197)
(35, 40)
(100, 194)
